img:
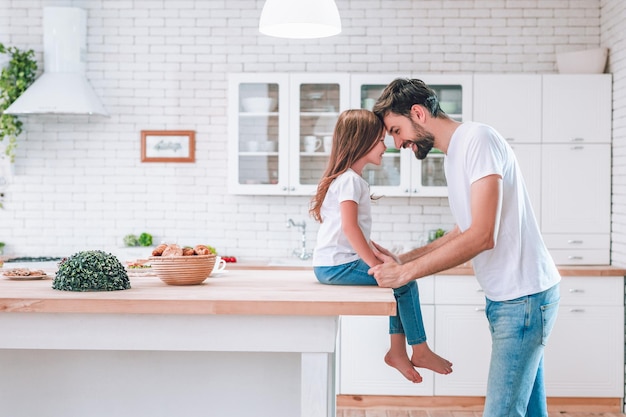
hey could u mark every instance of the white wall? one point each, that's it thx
(613, 30)
(163, 64)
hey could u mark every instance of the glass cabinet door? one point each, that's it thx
(401, 173)
(317, 99)
(258, 133)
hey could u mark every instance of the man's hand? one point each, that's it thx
(389, 273)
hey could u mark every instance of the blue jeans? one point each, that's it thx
(519, 331)
(407, 321)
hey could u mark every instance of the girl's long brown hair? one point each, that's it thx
(356, 133)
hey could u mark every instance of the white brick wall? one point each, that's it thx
(79, 182)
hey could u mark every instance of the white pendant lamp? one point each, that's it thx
(300, 19)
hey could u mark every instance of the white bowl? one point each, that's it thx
(258, 104)
(590, 61)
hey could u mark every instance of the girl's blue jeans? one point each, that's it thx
(519, 331)
(407, 321)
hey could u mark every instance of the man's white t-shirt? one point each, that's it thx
(520, 263)
(333, 247)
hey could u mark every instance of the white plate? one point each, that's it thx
(25, 277)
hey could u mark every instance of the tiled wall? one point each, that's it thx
(163, 64)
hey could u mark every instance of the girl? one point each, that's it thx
(343, 254)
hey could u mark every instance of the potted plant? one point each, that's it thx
(91, 270)
(15, 78)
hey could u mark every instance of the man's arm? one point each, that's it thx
(456, 249)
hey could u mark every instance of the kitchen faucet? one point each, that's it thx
(300, 253)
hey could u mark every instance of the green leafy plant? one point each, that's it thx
(144, 239)
(15, 78)
(91, 271)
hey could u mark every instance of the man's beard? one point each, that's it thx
(423, 141)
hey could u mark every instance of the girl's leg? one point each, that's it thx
(355, 273)
(412, 325)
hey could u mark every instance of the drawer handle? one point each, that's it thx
(577, 258)
(578, 139)
(577, 148)
(480, 290)
(479, 309)
(574, 242)
(576, 291)
(577, 310)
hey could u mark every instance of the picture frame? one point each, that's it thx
(168, 146)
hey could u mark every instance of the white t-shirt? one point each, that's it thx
(333, 247)
(519, 264)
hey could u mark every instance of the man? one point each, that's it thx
(495, 228)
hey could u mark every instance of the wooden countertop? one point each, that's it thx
(247, 292)
(565, 270)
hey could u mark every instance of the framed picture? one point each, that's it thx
(168, 146)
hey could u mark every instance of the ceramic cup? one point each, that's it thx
(219, 266)
(328, 143)
(311, 143)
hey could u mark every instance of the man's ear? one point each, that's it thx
(418, 111)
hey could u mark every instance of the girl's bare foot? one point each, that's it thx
(423, 357)
(404, 365)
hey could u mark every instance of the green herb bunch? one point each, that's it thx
(91, 271)
(15, 78)
(144, 239)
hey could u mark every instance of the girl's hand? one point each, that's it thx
(379, 250)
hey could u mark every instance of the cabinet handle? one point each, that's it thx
(576, 291)
(576, 310)
(574, 242)
(284, 188)
(480, 290)
(479, 309)
(577, 148)
(575, 258)
(407, 190)
(578, 139)
(510, 139)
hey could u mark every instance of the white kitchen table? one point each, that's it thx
(246, 343)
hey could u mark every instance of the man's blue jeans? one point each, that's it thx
(407, 321)
(519, 331)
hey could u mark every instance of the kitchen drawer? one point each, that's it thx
(592, 291)
(580, 256)
(458, 289)
(577, 241)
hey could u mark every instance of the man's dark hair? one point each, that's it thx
(402, 93)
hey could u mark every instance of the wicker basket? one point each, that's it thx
(183, 270)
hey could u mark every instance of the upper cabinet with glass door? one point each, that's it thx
(401, 173)
(280, 130)
(258, 133)
(316, 101)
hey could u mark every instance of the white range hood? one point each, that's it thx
(63, 87)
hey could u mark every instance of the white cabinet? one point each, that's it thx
(401, 174)
(585, 353)
(271, 117)
(576, 108)
(462, 335)
(576, 202)
(564, 153)
(584, 356)
(511, 104)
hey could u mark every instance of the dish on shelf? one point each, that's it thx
(24, 274)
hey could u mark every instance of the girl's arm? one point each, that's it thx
(350, 226)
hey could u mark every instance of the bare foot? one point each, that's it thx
(404, 365)
(423, 357)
